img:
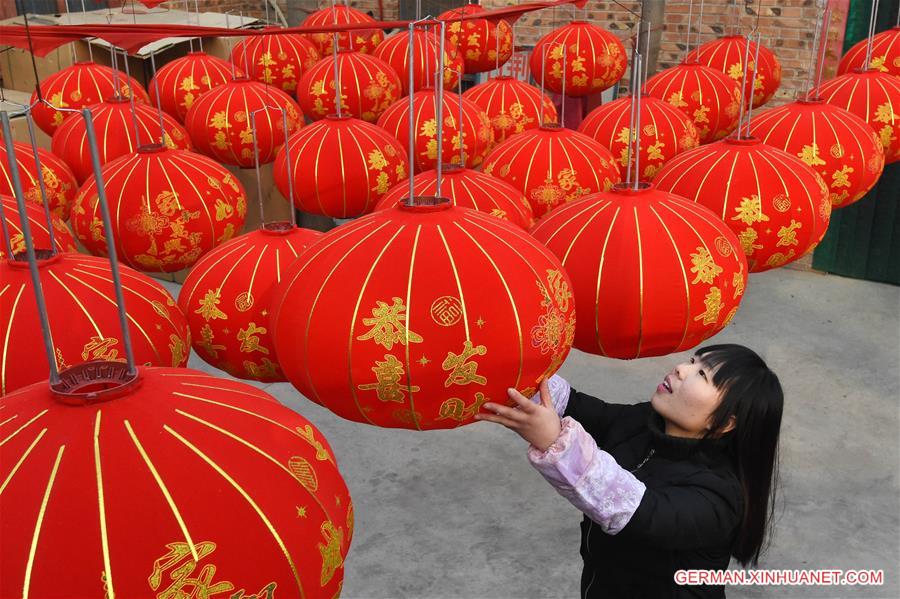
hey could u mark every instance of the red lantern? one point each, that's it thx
(875, 98)
(709, 97)
(840, 146)
(368, 86)
(220, 121)
(84, 322)
(885, 54)
(665, 131)
(512, 105)
(59, 180)
(594, 59)
(726, 54)
(170, 207)
(227, 298)
(478, 40)
(413, 317)
(277, 60)
(426, 45)
(477, 135)
(469, 189)
(552, 165)
(79, 86)
(172, 483)
(652, 273)
(118, 132)
(340, 167)
(358, 40)
(184, 79)
(777, 206)
(38, 222)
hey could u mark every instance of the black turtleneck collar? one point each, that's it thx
(680, 448)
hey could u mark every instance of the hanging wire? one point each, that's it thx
(699, 29)
(411, 57)
(29, 247)
(690, 23)
(45, 200)
(256, 162)
(459, 122)
(752, 88)
(134, 120)
(817, 45)
(637, 125)
(439, 109)
(87, 41)
(821, 64)
(228, 44)
(631, 114)
(200, 39)
(872, 27)
(743, 85)
(187, 11)
(159, 110)
(337, 76)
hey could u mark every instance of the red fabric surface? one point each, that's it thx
(512, 105)
(363, 41)
(183, 80)
(652, 273)
(238, 279)
(478, 40)
(594, 59)
(59, 180)
(726, 54)
(37, 220)
(885, 54)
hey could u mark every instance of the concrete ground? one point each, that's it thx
(462, 513)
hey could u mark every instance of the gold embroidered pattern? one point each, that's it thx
(446, 310)
(455, 409)
(249, 338)
(713, 303)
(750, 211)
(388, 374)
(303, 471)
(388, 324)
(208, 306)
(704, 267)
(330, 551)
(787, 236)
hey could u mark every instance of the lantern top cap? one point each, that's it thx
(44, 258)
(556, 128)
(339, 117)
(816, 100)
(151, 148)
(94, 382)
(628, 189)
(863, 71)
(118, 99)
(743, 141)
(424, 204)
(579, 22)
(277, 227)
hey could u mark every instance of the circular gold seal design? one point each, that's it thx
(837, 150)
(244, 301)
(446, 310)
(723, 246)
(781, 203)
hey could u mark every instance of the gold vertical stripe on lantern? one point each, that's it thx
(183, 80)
(426, 45)
(59, 181)
(358, 40)
(885, 54)
(709, 97)
(726, 54)
(595, 59)
(277, 60)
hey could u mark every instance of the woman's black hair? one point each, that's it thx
(752, 395)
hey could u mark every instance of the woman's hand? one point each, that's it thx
(536, 423)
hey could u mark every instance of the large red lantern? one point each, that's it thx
(553, 165)
(413, 317)
(840, 146)
(426, 47)
(469, 189)
(726, 54)
(475, 139)
(183, 80)
(512, 105)
(84, 321)
(368, 86)
(875, 98)
(652, 273)
(710, 98)
(220, 121)
(227, 298)
(38, 222)
(119, 131)
(79, 86)
(776, 205)
(594, 59)
(885, 54)
(358, 40)
(340, 167)
(478, 40)
(665, 131)
(277, 60)
(170, 207)
(171, 483)
(59, 181)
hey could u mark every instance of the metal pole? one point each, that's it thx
(439, 110)
(687, 34)
(159, 110)
(287, 159)
(752, 88)
(110, 240)
(200, 39)
(743, 84)
(459, 122)
(337, 76)
(29, 249)
(262, 215)
(637, 129)
(871, 34)
(412, 116)
(45, 200)
(821, 63)
(137, 133)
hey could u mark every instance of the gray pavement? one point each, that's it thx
(461, 513)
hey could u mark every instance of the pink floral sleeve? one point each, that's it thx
(559, 392)
(589, 478)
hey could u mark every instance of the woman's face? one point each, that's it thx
(686, 399)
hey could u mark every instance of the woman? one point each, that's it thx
(684, 481)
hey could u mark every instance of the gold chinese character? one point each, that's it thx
(788, 235)
(810, 155)
(208, 309)
(249, 338)
(455, 409)
(100, 348)
(461, 372)
(750, 211)
(388, 324)
(713, 304)
(183, 586)
(747, 237)
(840, 178)
(704, 266)
(388, 374)
(330, 551)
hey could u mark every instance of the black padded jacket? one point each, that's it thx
(688, 517)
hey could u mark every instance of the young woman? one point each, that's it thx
(684, 481)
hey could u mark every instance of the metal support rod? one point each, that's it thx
(29, 249)
(134, 121)
(459, 122)
(412, 115)
(699, 28)
(287, 162)
(637, 127)
(543, 74)
(752, 88)
(631, 117)
(159, 110)
(110, 240)
(228, 44)
(743, 84)
(262, 214)
(690, 22)
(337, 76)
(562, 102)
(439, 110)
(200, 39)
(645, 57)
(45, 199)
(821, 63)
(871, 41)
(89, 47)
(812, 59)
(187, 11)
